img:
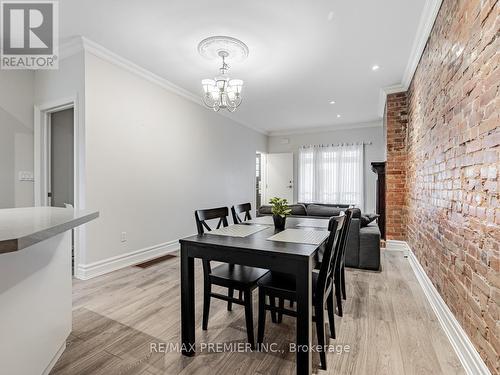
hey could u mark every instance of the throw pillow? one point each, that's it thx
(367, 219)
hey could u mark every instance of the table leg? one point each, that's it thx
(187, 303)
(304, 318)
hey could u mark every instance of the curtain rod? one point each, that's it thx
(338, 144)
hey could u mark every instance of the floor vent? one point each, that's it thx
(152, 262)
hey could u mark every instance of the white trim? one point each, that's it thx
(383, 96)
(393, 245)
(70, 48)
(321, 129)
(466, 352)
(54, 360)
(427, 19)
(424, 29)
(88, 271)
(41, 122)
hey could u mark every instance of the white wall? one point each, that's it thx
(154, 157)
(16, 137)
(65, 82)
(373, 152)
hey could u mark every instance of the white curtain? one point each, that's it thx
(331, 174)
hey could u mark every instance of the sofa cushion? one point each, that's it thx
(326, 211)
(297, 209)
(367, 219)
(327, 205)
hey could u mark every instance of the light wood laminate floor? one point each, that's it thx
(388, 325)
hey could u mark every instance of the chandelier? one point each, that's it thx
(222, 92)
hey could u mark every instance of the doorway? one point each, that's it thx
(280, 176)
(59, 149)
(60, 164)
(258, 180)
(61, 159)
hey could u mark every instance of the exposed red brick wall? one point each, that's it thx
(452, 178)
(396, 121)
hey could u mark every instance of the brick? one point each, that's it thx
(443, 157)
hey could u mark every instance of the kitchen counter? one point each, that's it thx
(23, 227)
(35, 286)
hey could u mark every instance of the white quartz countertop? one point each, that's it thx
(23, 227)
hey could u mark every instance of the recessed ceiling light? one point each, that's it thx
(338, 116)
(332, 101)
(375, 67)
(330, 16)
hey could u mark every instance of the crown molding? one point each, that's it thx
(427, 19)
(322, 129)
(383, 96)
(113, 58)
(81, 43)
(70, 48)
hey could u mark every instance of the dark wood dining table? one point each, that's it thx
(257, 251)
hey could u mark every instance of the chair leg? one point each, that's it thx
(291, 304)
(281, 306)
(240, 295)
(207, 289)
(272, 302)
(320, 331)
(247, 295)
(342, 279)
(339, 298)
(230, 294)
(331, 315)
(262, 317)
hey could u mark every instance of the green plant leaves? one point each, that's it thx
(280, 206)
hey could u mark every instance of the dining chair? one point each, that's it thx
(232, 276)
(339, 275)
(282, 286)
(239, 208)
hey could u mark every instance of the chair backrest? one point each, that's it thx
(332, 248)
(349, 213)
(237, 209)
(202, 216)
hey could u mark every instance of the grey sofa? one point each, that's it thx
(363, 244)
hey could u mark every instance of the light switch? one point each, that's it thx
(26, 176)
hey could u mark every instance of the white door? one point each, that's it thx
(280, 176)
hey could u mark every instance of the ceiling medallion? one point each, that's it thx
(222, 92)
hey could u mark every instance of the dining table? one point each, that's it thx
(256, 250)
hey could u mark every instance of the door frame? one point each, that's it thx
(42, 158)
(263, 178)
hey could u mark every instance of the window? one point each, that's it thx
(331, 174)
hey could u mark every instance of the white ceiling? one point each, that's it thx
(299, 59)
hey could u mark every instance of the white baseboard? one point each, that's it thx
(466, 352)
(88, 271)
(394, 245)
(54, 360)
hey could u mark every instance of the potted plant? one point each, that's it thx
(280, 210)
